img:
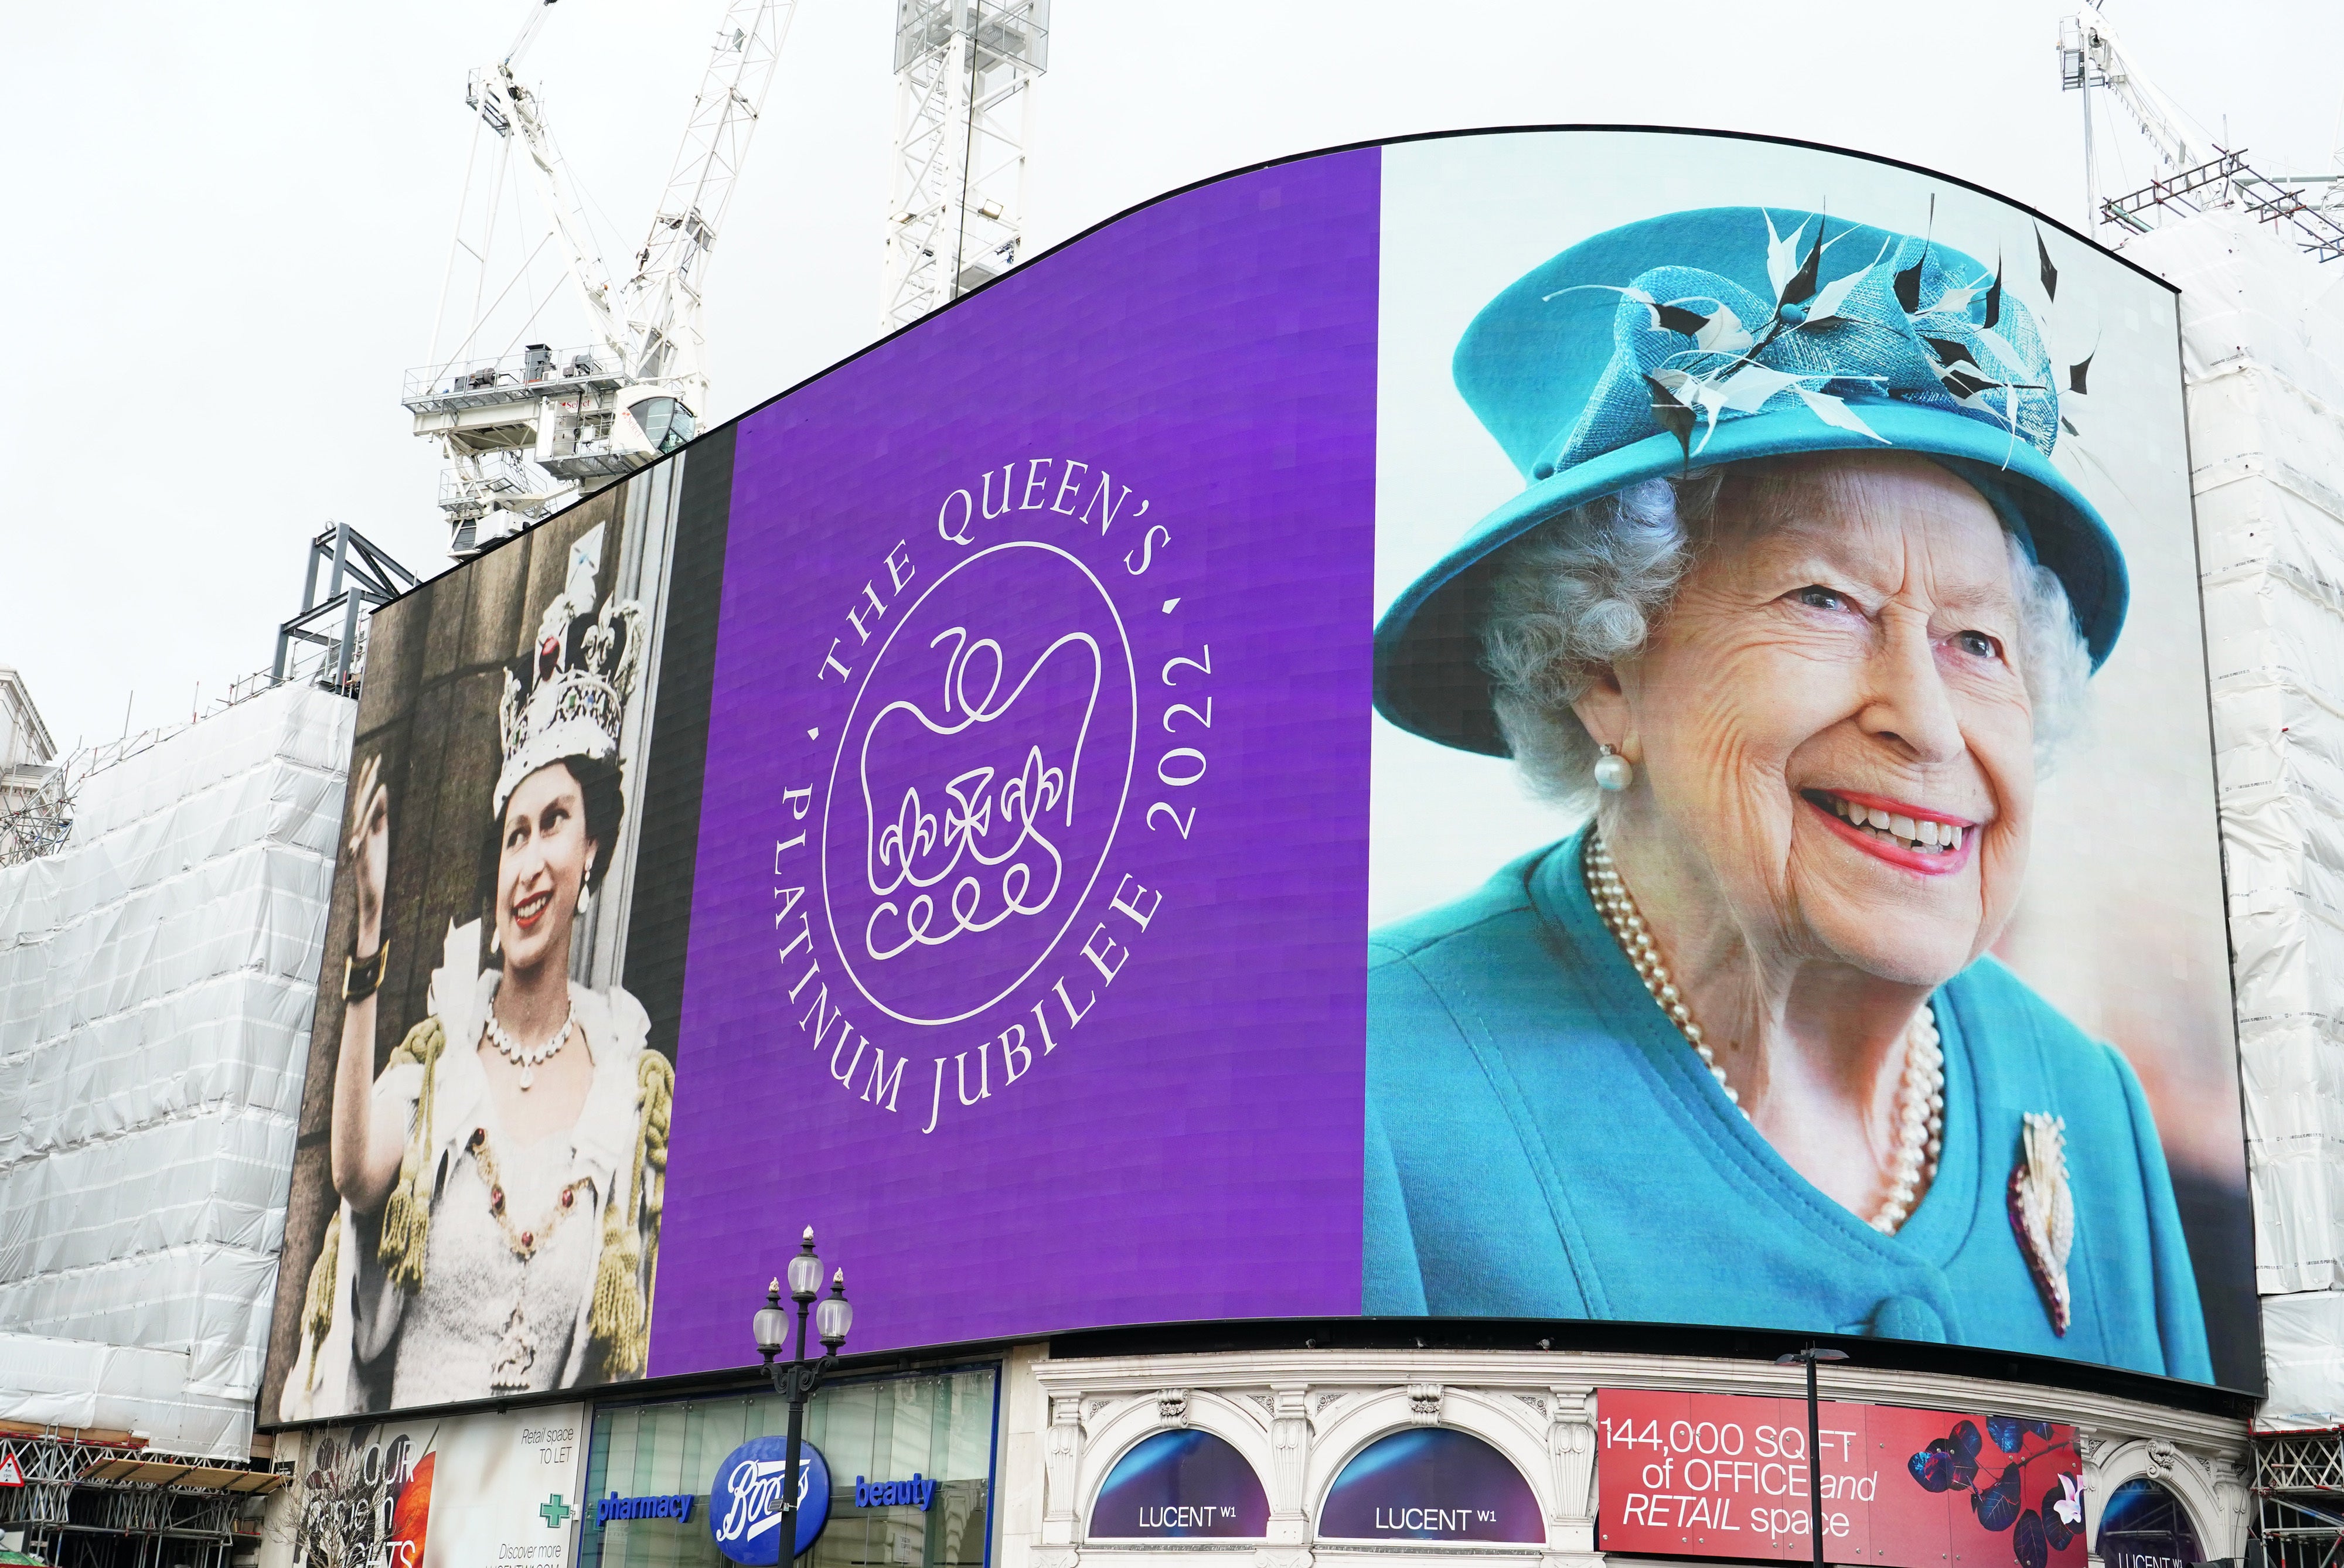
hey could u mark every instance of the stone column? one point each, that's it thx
(1571, 1449)
(1061, 1458)
(1289, 1473)
(2233, 1500)
(2092, 1448)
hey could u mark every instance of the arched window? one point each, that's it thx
(2144, 1525)
(1431, 1484)
(1179, 1485)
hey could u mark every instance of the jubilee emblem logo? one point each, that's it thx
(979, 781)
(1003, 739)
(744, 1501)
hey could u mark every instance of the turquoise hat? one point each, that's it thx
(1716, 336)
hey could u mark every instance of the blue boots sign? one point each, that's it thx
(744, 1501)
(676, 1506)
(916, 1492)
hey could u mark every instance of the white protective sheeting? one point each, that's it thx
(157, 977)
(80, 1384)
(2263, 350)
(2303, 1347)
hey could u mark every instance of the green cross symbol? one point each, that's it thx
(554, 1510)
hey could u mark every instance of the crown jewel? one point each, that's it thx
(581, 673)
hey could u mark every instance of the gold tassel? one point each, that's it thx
(618, 1318)
(407, 1216)
(317, 1305)
(406, 1226)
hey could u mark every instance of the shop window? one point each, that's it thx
(2144, 1525)
(1431, 1484)
(881, 1433)
(1175, 1486)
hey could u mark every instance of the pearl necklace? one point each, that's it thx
(1920, 1098)
(528, 1059)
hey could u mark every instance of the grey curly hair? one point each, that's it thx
(1584, 589)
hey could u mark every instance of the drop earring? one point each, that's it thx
(496, 940)
(585, 896)
(1613, 772)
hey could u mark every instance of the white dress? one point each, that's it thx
(505, 1297)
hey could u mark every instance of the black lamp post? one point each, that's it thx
(796, 1378)
(1811, 1355)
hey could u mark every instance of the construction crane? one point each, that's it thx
(526, 427)
(2196, 174)
(965, 74)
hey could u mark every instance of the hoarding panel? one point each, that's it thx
(1728, 1475)
(1010, 765)
(441, 1493)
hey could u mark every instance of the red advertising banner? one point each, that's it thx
(1726, 1475)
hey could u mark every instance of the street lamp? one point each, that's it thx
(1811, 1355)
(796, 1378)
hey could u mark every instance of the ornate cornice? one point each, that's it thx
(1330, 1371)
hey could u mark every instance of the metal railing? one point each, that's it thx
(470, 383)
(2227, 178)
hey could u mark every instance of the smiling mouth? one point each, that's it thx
(526, 912)
(1903, 833)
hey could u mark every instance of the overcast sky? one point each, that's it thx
(229, 222)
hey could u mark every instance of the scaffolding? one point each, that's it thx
(123, 1505)
(2227, 179)
(2299, 208)
(2299, 1498)
(325, 644)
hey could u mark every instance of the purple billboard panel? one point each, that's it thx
(1431, 1484)
(1031, 856)
(1178, 1484)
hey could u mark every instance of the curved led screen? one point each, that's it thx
(1176, 1484)
(1226, 743)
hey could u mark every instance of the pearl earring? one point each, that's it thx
(1613, 771)
(585, 896)
(496, 939)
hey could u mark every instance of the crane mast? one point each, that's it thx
(525, 427)
(964, 75)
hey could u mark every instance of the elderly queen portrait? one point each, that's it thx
(1795, 610)
(502, 1176)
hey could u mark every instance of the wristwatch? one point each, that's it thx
(360, 977)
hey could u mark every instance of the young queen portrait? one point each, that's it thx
(500, 1178)
(1796, 609)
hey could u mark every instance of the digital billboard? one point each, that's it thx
(1600, 724)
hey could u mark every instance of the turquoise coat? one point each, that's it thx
(1543, 1143)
